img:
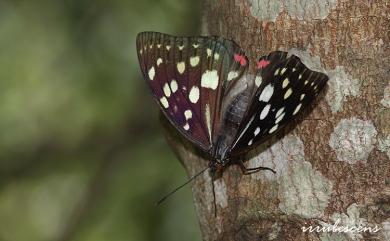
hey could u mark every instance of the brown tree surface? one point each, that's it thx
(333, 163)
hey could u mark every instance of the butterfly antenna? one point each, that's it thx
(179, 187)
(215, 201)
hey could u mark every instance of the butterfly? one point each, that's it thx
(205, 89)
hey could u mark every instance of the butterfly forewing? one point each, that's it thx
(286, 87)
(188, 76)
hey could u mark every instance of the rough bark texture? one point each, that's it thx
(335, 168)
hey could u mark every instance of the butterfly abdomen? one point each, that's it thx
(231, 120)
(236, 109)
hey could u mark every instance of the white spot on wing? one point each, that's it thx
(257, 131)
(181, 66)
(232, 75)
(264, 112)
(194, 61)
(151, 73)
(273, 129)
(288, 93)
(258, 80)
(276, 71)
(266, 93)
(167, 90)
(209, 79)
(194, 94)
(302, 96)
(283, 70)
(186, 127)
(297, 108)
(250, 142)
(159, 61)
(181, 47)
(195, 46)
(174, 86)
(208, 52)
(164, 102)
(280, 118)
(208, 119)
(279, 112)
(216, 56)
(168, 47)
(285, 83)
(188, 114)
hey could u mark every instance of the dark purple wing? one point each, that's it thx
(188, 77)
(286, 87)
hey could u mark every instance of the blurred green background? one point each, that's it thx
(82, 155)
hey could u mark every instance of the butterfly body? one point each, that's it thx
(235, 111)
(204, 88)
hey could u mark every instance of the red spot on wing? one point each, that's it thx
(262, 64)
(241, 59)
(237, 57)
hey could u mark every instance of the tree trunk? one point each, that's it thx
(333, 166)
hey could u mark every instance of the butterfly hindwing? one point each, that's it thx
(286, 87)
(188, 77)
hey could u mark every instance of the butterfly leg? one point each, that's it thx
(248, 171)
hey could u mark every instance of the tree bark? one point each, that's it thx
(333, 166)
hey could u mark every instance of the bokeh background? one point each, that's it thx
(82, 155)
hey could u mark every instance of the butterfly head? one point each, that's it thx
(216, 166)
